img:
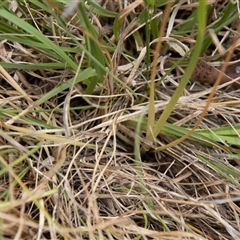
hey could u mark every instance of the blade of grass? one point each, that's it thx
(33, 66)
(151, 111)
(227, 131)
(176, 131)
(86, 74)
(147, 33)
(211, 95)
(39, 36)
(31, 196)
(139, 170)
(229, 14)
(21, 174)
(93, 46)
(227, 172)
(188, 72)
(100, 10)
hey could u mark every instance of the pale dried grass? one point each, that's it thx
(101, 191)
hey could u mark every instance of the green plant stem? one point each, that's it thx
(186, 76)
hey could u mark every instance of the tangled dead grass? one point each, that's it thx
(80, 178)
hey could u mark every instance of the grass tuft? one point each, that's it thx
(103, 135)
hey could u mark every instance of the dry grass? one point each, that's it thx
(68, 168)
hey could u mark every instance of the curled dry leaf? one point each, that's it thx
(205, 73)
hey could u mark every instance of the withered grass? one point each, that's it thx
(67, 166)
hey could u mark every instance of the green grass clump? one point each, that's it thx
(103, 133)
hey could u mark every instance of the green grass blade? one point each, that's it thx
(227, 172)
(100, 10)
(229, 14)
(33, 66)
(186, 76)
(94, 48)
(86, 74)
(225, 131)
(39, 36)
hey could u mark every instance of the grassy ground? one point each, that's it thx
(103, 135)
